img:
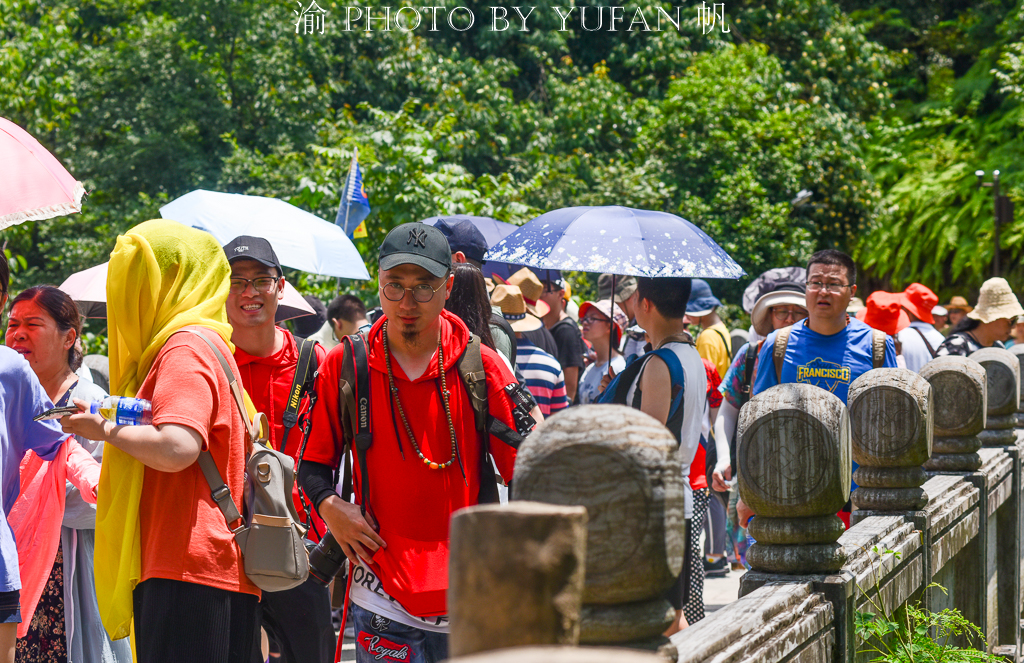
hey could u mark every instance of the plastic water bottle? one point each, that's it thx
(124, 411)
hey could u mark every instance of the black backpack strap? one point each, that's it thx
(928, 345)
(725, 341)
(363, 438)
(302, 381)
(749, 363)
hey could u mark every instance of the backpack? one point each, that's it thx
(618, 389)
(271, 534)
(782, 341)
(354, 409)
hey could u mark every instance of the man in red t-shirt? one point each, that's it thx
(298, 620)
(426, 459)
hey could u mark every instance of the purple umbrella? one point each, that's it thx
(619, 240)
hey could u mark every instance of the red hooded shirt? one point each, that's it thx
(411, 502)
(268, 381)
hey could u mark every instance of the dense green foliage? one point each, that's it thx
(881, 112)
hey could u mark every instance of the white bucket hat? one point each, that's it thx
(785, 294)
(996, 301)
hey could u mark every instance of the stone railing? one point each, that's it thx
(939, 485)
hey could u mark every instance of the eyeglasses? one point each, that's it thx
(590, 319)
(784, 314)
(422, 293)
(833, 288)
(263, 284)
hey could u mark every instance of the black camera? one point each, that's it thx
(326, 560)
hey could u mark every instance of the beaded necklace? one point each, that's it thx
(444, 401)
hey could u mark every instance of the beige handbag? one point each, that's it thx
(271, 534)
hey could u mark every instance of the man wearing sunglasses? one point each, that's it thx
(298, 620)
(426, 458)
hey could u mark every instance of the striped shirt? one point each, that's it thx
(543, 375)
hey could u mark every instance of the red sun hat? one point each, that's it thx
(920, 300)
(884, 312)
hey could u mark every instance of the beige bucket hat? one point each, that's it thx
(996, 301)
(532, 289)
(509, 298)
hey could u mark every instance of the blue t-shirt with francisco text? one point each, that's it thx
(830, 362)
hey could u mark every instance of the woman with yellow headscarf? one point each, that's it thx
(163, 551)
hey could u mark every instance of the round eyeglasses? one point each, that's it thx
(422, 293)
(784, 314)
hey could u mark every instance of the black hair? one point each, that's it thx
(346, 307)
(834, 257)
(62, 309)
(668, 294)
(307, 325)
(470, 302)
(965, 325)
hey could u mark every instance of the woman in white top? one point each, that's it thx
(602, 329)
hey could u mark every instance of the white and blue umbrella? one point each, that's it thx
(301, 240)
(616, 240)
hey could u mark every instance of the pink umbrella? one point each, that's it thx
(35, 185)
(89, 290)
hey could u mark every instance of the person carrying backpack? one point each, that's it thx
(167, 566)
(670, 384)
(829, 349)
(423, 450)
(275, 371)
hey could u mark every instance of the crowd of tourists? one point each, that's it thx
(115, 548)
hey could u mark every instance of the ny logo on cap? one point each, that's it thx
(417, 236)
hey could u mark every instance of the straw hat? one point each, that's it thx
(782, 294)
(855, 306)
(603, 306)
(958, 304)
(996, 301)
(884, 311)
(532, 289)
(509, 299)
(919, 300)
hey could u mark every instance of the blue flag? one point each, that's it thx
(355, 206)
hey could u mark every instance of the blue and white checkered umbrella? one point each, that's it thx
(616, 240)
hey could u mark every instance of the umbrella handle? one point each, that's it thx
(611, 319)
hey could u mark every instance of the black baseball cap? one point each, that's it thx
(417, 244)
(248, 247)
(463, 236)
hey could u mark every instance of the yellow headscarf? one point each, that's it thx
(162, 276)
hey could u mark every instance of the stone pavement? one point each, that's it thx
(719, 592)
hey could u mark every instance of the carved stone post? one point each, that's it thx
(891, 427)
(959, 389)
(794, 458)
(515, 576)
(623, 466)
(1003, 376)
(1018, 351)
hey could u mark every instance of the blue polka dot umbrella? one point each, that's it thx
(616, 240)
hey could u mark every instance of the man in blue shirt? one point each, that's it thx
(829, 349)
